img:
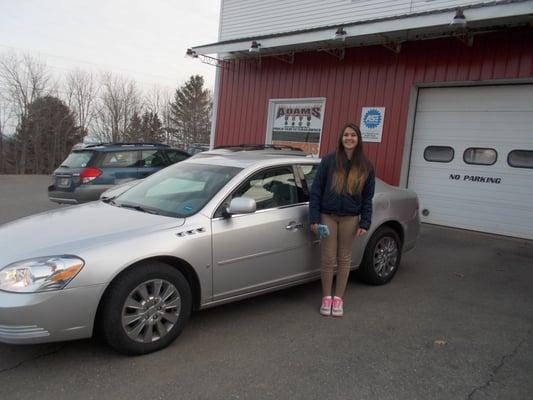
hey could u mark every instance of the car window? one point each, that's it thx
(120, 159)
(153, 159)
(195, 149)
(309, 172)
(77, 159)
(176, 156)
(271, 188)
(180, 190)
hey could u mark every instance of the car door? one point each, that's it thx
(306, 174)
(119, 166)
(266, 248)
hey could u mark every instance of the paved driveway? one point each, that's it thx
(455, 323)
(22, 195)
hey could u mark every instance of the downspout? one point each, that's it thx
(217, 87)
(215, 110)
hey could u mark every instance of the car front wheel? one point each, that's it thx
(145, 308)
(381, 258)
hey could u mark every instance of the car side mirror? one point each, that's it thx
(241, 205)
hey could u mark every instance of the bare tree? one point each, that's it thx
(157, 101)
(6, 114)
(81, 91)
(23, 79)
(119, 100)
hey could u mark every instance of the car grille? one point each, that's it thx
(22, 332)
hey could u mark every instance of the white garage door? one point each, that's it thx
(472, 158)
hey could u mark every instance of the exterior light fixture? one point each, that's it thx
(191, 53)
(459, 21)
(340, 34)
(255, 47)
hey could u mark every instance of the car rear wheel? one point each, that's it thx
(382, 257)
(145, 308)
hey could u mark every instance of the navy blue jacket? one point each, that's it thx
(323, 199)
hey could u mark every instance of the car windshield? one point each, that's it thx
(179, 191)
(77, 159)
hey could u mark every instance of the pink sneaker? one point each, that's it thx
(325, 308)
(336, 309)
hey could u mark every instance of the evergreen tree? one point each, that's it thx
(135, 129)
(46, 135)
(152, 131)
(190, 112)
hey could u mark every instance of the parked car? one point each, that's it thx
(221, 226)
(90, 170)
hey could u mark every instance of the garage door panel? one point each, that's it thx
(481, 98)
(482, 226)
(494, 198)
(449, 201)
(464, 208)
(513, 127)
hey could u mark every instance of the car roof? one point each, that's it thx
(246, 158)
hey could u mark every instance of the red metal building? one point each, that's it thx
(451, 88)
(367, 75)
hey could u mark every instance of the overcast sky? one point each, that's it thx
(143, 40)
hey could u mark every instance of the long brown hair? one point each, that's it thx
(352, 180)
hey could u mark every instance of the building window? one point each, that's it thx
(480, 156)
(520, 159)
(442, 154)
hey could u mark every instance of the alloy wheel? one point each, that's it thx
(151, 310)
(385, 256)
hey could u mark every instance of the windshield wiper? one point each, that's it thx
(64, 166)
(138, 208)
(109, 200)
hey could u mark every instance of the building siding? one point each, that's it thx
(368, 76)
(260, 17)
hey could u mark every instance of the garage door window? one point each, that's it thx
(438, 154)
(520, 158)
(480, 156)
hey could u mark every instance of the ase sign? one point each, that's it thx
(372, 123)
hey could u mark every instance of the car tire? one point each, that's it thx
(382, 257)
(145, 308)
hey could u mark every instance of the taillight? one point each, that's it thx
(89, 174)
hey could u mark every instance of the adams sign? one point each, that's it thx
(297, 123)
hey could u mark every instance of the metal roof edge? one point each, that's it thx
(441, 17)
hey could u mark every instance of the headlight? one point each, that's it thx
(41, 274)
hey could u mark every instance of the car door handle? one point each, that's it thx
(293, 225)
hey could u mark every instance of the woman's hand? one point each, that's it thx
(360, 232)
(314, 228)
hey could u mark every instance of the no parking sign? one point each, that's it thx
(372, 123)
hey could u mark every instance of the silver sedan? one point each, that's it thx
(221, 226)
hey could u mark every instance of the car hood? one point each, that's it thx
(65, 230)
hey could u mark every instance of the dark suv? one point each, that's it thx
(89, 171)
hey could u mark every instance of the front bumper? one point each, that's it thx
(66, 314)
(82, 194)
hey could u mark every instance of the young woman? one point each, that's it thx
(341, 198)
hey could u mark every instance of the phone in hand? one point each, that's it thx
(323, 231)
